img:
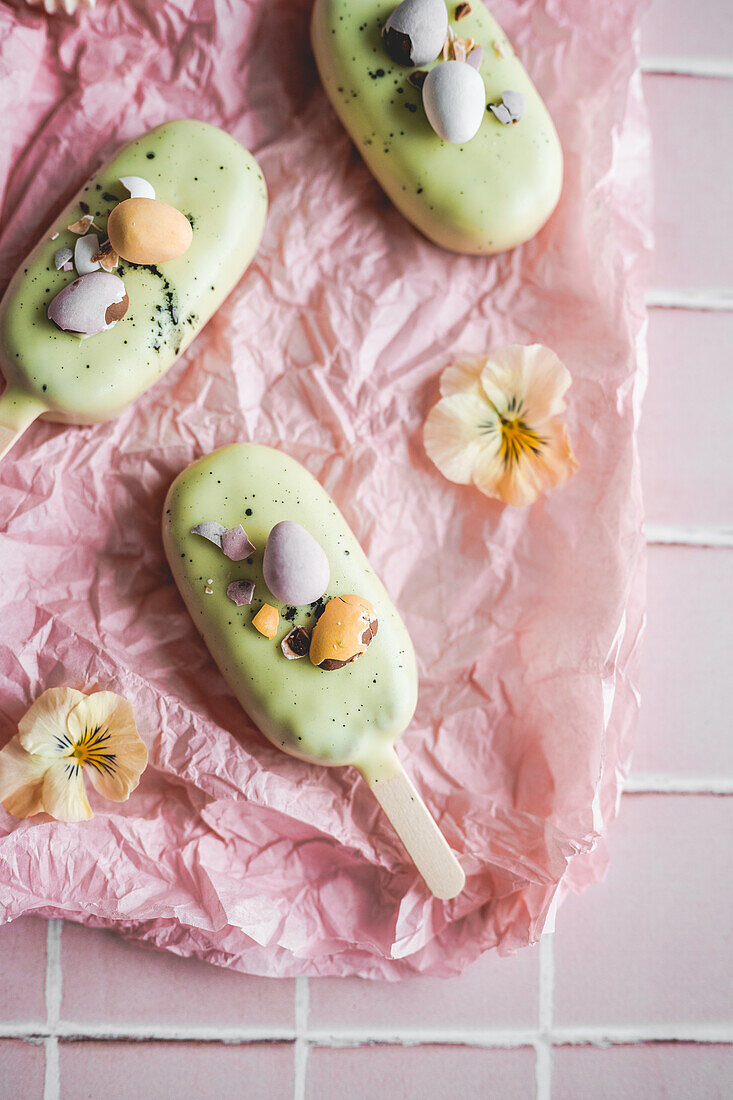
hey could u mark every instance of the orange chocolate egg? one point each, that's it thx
(343, 632)
(148, 231)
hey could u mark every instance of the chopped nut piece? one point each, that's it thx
(462, 48)
(82, 226)
(462, 10)
(106, 257)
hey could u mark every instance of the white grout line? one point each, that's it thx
(545, 1011)
(300, 1052)
(688, 66)
(645, 783)
(131, 1032)
(659, 534)
(656, 1033)
(351, 1037)
(52, 1085)
(701, 298)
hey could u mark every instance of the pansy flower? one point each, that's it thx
(63, 735)
(498, 425)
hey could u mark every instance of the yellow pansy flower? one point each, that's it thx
(497, 425)
(64, 734)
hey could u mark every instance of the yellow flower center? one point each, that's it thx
(92, 750)
(517, 440)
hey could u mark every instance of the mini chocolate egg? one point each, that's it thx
(91, 304)
(294, 565)
(148, 231)
(344, 631)
(454, 98)
(415, 31)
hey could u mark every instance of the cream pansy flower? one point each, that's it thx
(62, 735)
(498, 427)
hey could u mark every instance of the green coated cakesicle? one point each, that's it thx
(352, 715)
(218, 185)
(487, 195)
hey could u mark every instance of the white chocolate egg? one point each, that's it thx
(294, 565)
(91, 304)
(454, 98)
(415, 31)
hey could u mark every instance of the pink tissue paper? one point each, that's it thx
(526, 622)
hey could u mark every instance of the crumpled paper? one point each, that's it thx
(526, 622)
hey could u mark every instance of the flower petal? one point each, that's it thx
(533, 376)
(64, 796)
(21, 779)
(109, 746)
(42, 729)
(462, 376)
(522, 482)
(457, 431)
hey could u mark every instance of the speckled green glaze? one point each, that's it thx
(350, 716)
(207, 175)
(485, 196)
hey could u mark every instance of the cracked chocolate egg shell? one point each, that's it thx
(415, 31)
(344, 632)
(91, 304)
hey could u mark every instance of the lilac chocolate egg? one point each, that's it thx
(415, 31)
(294, 565)
(91, 304)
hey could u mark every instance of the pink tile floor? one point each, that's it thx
(632, 995)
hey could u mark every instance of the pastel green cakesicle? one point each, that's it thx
(349, 716)
(488, 195)
(210, 178)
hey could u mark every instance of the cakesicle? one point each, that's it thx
(474, 171)
(209, 214)
(350, 707)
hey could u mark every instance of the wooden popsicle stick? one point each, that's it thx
(8, 436)
(427, 847)
(17, 412)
